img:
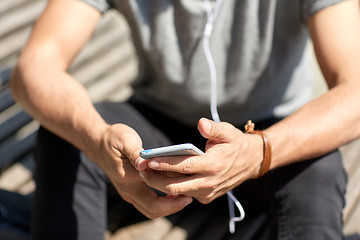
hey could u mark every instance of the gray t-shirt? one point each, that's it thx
(258, 48)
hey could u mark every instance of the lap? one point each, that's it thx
(301, 201)
(298, 200)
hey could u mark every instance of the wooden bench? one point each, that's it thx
(108, 55)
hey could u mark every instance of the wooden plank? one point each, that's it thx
(111, 88)
(5, 76)
(17, 179)
(109, 32)
(94, 67)
(15, 148)
(12, 125)
(157, 229)
(10, 112)
(10, 5)
(352, 195)
(5, 100)
(10, 21)
(351, 155)
(12, 42)
(352, 225)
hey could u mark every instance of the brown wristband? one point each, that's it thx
(265, 165)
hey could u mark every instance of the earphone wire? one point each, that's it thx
(211, 15)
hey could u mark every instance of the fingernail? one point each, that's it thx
(140, 164)
(153, 164)
(142, 175)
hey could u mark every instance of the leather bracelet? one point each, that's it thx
(265, 165)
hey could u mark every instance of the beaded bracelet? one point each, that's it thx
(265, 165)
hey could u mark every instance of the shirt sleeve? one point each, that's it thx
(101, 5)
(310, 7)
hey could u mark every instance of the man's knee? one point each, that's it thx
(311, 198)
(319, 175)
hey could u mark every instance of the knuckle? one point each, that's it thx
(134, 155)
(173, 190)
(215, 131)
(187, 166)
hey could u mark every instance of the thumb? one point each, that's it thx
(131, 145)
(133, 154)
(218, 132)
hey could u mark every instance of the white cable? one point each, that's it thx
(211, 14)
(231, 200)
(211, 63)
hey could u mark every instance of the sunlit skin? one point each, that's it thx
(42, 86)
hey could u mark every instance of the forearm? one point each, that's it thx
(317, 128)
(58, 102)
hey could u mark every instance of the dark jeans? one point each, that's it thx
(300, 201)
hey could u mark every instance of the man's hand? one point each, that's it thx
(118, 156)
(230, 158)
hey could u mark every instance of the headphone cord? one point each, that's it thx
(211, 15)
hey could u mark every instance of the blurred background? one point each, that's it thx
(109, 54)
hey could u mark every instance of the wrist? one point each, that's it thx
(266, 148)
(256, 154)
(92, 138)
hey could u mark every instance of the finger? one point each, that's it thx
(182, 185)
(153, 206)
(132, 147)
(140, 163)
(132, 152)
(217, 132)
(179, 164)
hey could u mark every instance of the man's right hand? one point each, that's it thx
(41, 84)
(118, 156)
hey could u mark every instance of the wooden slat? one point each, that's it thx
(110, 32)
(352, 226)
(115, 90)
(12, 125)
(352, 195)
(157, 229)
(95, 67)
(351, 155)
(11, 5)
(6, 100)
(29, 11)
(14, 151)
(5, 76)
(12, 42)
(18, 179)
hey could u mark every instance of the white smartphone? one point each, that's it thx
(186, 149)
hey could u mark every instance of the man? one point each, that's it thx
(258, 48)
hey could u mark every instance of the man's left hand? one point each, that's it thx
(230, 158)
